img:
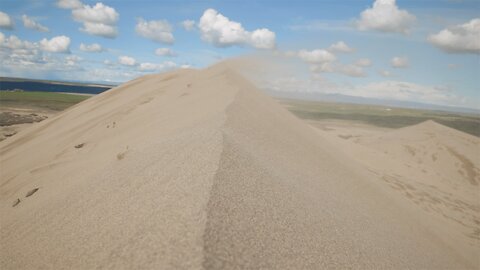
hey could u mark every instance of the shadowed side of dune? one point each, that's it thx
(283, 199)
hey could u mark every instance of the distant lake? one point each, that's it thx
(53, 87)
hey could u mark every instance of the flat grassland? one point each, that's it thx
(381, 116)
(44, 100)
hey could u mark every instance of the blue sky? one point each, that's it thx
(424, 51)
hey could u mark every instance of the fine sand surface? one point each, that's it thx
(197, 169)
(433, 167)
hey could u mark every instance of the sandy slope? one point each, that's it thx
(435, 169)
(198, 169)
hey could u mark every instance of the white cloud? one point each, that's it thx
(59, 44)
(95, 47)
(384, 73)
(262, 39)
(385, 16)
(387, 90)
(399, 62)
(127, 61)
(5, 21)
(15, 44)
(324, 61)
(351, 70)
(316, 56)
(341, 47)
(165, 52)
(69, 4)
(405, 91)
(99, 13)
(222, 32)
(72, 60)
(100, 29)
(160, 31)
(31, 24)
(157, 67)
(24, 58)
(464, 38)
(188, 25)
(363, 62)
(99, 20)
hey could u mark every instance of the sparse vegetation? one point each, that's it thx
(381, 116)
(43, 100)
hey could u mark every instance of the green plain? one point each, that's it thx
(381, 116)
(44, 100)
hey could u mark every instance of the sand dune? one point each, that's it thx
(199, 170)
(432, 167)
(453, 154)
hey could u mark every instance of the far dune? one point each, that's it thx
(433, 167)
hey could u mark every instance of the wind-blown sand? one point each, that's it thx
(198, 169)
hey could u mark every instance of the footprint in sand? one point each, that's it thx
(121, 155)
(16, 202)
(79, 145)
(31, 192)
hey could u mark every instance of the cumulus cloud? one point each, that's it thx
(95, 47)
(385, 16)
(5, 21)
(165, 52)
(99, 13)
(464, 38)
(99, 20)
(159, 31)
(316, 56)
(59, 44)
(100, 29)
(127, 61)
(363, 62)
(324, 61)
(31, 24)
(157, 67)
(14, 43)
(222, 32)
(69, 4)
(188, 25)
(399, 62)
(341, 47)
(262, 39)
(21, 57)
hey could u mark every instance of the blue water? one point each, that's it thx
(49, 87)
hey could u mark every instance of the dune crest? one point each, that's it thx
(197, 170)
